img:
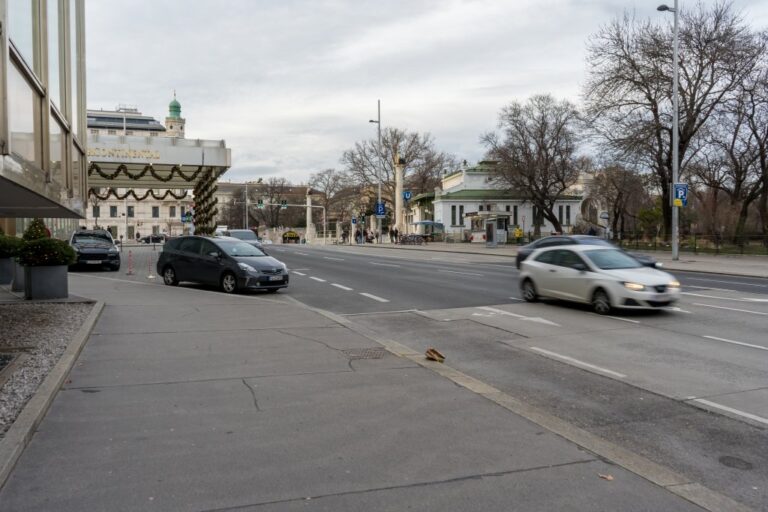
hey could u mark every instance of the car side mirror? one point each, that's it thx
(215, 254)
(580, 267)
(658, 264)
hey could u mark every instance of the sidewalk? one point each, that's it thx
(191, 400)
(748, 266)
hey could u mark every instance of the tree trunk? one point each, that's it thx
(738, 236)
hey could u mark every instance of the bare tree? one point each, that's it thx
(538, 154)
(629, 87)
(623, 191)
(330, 183)
(273, 192)
(423, 162)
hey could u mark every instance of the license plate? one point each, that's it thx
(275, 278)
(93, 262)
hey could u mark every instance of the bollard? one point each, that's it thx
(150, 275)
(130, 264)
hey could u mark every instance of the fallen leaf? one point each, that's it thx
(605, 477)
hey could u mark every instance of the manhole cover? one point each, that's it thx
(735, 462)
(365, 353)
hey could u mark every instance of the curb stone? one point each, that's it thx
(23, 428)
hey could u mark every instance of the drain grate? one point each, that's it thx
(365, 353)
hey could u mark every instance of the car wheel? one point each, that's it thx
(272, 290)
(529, 291)
(169, 276)
(229, 283)
(600, 302)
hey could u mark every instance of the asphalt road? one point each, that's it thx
(686, 387)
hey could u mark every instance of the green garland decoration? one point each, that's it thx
(148, 169)
(113, 192)
(205, 202)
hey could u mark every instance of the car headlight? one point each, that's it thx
(673, 284)
(637, 287)
(113, 250)
(246, 266)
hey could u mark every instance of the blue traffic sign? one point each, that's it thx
(354, 220)
(680, 194)
(381, 210)
(407, 195)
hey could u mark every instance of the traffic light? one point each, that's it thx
(260, 204)
(283, 204)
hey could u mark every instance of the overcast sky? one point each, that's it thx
(291, 84)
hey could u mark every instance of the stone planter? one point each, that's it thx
(46, 282)
(17, 285)
(6, 270)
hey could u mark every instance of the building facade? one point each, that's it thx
(470, 196)
(42, 114)
(125, 144)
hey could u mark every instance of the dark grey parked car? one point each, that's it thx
(95, 248)
(230, 264)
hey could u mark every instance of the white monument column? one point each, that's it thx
(399, 217)
(310, 231)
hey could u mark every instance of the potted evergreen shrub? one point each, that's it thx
(46, 263)
(9, 248)
(34, 231)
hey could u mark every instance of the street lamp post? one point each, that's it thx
(675, 132)
(378, 126)
(245, 208)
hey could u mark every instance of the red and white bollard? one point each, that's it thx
(150, 275)
(130, 264)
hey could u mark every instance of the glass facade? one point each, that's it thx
(41, 104)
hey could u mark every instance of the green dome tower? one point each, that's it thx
(174, 123)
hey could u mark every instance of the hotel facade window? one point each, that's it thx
(42, 152)
(156, 212)
(113, 211)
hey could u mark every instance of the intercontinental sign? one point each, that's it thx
(137, 154)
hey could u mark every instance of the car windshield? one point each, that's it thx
(243, 235)
(608, 259)
(90, 238)
(240, 249)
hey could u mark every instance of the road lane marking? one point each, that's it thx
(517, 299)
(536, 319)
(578, 362)
(727, 282)
(384, 264)
(302, 253)
(462, 273)
(334, 259)
(623, 319)
(299, 273)
(732, 410)
(342, 287)
(709, 288)
(675, 308)
(374, 297)
(732, 309)
(317, 279)
(724, 340)
(716, 297)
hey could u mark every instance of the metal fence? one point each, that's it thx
(701, 244)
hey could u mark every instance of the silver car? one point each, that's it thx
(604, 277)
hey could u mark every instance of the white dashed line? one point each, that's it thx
(709, 288)
(732, 309)
(299, 273)
(623, 319)
(731, 410)
(735, 299)
(384, 264)
(726, 282)
(578, 363)
(374, 297)
(536, 319)
(724, 340)
(334, 259)
(457, 272)
(317, 279)
(302, 253)
(347, 288)
(515, 298)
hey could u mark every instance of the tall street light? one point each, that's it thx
(378, 126)
(675, 133)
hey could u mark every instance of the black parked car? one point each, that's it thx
(551, 241)
(230, 264)
(153, 239)
(95, 247)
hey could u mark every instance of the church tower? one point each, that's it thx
(174, 123)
